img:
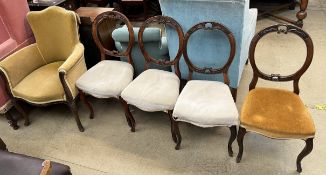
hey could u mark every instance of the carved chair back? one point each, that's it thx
(165, 20)
(224, 69)
(281, 29)
(114, 20)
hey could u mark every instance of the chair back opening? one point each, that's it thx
(103, 26)
(295, 77)
(210, 26)
(167, 22)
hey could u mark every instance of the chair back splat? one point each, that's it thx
(295, 77)
(165, 20)
(225, 68)
(120, 20)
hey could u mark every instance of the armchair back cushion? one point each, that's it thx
(55, 42)
(17, 72)
(155, 44)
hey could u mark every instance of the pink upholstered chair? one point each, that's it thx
(15, 34)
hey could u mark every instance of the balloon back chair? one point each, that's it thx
(155, 90)
(208, 103)
(108, 78)
(277, 113)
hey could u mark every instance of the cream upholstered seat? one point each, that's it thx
(153, 90)
(106, 79)
(206, 104)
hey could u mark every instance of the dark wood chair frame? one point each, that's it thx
(165, 20)
(100, 3)
(143, 3)
(224, 69)
(301, 14)
(279, 28)
(111, 15)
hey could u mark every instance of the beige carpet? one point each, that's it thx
(108, 147)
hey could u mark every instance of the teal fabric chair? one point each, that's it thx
(210, 49)
(155, 44)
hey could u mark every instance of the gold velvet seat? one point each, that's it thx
(276, 113)
(46, 72)
(50, 90)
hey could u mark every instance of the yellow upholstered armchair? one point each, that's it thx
(45, 72)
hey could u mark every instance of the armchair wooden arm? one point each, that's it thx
(71, 70)
(46, 168)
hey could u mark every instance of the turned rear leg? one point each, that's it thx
(74, 110)
(233, 136)
(130, 119)
(89, 106)
(241, 134)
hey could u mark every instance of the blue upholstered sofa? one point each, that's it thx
(154, 43)
(210, 48)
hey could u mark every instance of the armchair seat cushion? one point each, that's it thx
(206, 104)
(106, 79)
(42, 85)
(153, 90)
(277, 114)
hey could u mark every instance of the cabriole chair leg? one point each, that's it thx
(174, 137)
(127, 118)
(241, 134)
(89, 106)
(74, 110)
(12, 122)
(306, 150)
(22, 112)
(130, 119)
(233, 136)
(177, 134)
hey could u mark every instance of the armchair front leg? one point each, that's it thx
(69, 72)
(12, 122)
(71, 101)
